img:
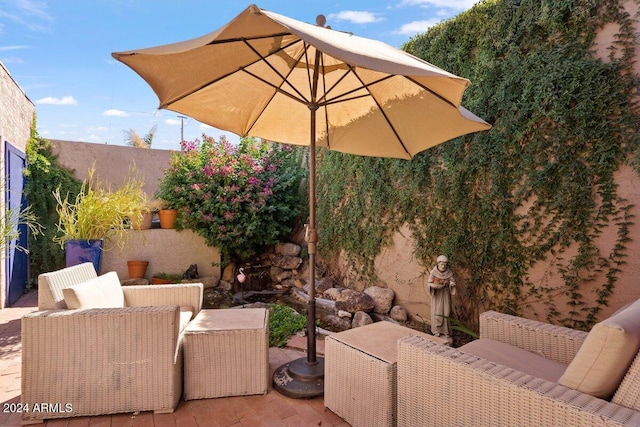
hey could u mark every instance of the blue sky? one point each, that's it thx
(59, 52)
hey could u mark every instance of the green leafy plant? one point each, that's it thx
(283, 322)
(43, 176)
(239, 198)
(174, 277)
(97, 212)
(11, 221)
(457, 325)
(538, 188)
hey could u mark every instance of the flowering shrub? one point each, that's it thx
(239, 198)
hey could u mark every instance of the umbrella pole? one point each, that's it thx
(303, 378)
(312, 240)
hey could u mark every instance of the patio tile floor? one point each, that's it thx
(270, 410)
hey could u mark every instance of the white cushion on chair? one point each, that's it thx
(102, 292)
(606, 354)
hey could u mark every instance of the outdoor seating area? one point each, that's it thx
(93, 351)
(124, 365)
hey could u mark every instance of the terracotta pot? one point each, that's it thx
(159, 281)
(137, 269)
(145, 224)
(167, 217)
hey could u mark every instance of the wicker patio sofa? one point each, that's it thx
(525, 373)
(121, 354)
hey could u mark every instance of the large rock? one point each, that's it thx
(383, 298)
(278, 274)
(354, 301)
(229, 273)
(398, 313)
(336, 323)
(360, 319)
(323, 284)
(332, 293)
(290, 249)
(287, 262)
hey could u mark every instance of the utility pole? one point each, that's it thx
(182, 127)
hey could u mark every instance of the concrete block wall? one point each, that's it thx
(16, 116)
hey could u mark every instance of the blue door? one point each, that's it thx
(17, 260)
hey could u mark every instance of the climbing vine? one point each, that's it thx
(43, 176)
(538, 187)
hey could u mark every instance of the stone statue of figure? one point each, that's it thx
(442, 285)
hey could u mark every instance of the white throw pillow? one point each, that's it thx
(606, 354)
(102, 292)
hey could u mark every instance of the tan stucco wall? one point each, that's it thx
(167, 251)
(397, 269)
(112, 162)
(16, 115)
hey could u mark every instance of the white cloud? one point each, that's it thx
(204, 126)
(172, 122)
(12, 60)
(115, 113)
(65, 100)
(14, 47)
(415, 27)
(356, 17)
(28, 13)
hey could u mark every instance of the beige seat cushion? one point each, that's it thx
(186, 313)
(102, 292)
(515, 358)
(606, 354)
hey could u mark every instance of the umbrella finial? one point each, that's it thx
(321, 20)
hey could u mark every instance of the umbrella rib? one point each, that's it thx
(284, 78)
(260, 58)
(243, 39)
(386, 118)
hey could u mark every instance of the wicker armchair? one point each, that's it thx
(515, 381)
(95, 361)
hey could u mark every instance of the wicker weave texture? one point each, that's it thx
(101, 361)
(444, 387)
(226, 362)
(553, 342)
(185, 294)
(628, 394)
(359, 388)
(50, 285)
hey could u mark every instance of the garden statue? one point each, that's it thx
(191, 273)
(241, 277)
(442, 285)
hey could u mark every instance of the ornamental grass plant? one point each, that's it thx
(239, 198)
(98, 212)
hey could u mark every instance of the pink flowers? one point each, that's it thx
(230, 194)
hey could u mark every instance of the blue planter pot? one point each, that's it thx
(79, 251)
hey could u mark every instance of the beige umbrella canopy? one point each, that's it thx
(273, 77)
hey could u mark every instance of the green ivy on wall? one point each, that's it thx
(44, 176)
(537, 187)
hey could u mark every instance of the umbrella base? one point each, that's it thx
(298, 379)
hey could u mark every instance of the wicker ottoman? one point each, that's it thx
(360, 373)
(226, 353)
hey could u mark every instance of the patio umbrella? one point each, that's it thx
(273, 77)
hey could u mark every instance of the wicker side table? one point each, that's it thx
(226, 353)
(360, 373)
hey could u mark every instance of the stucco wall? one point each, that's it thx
(16, 115)
(167, 251)
(397, 269)
(112, 162)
